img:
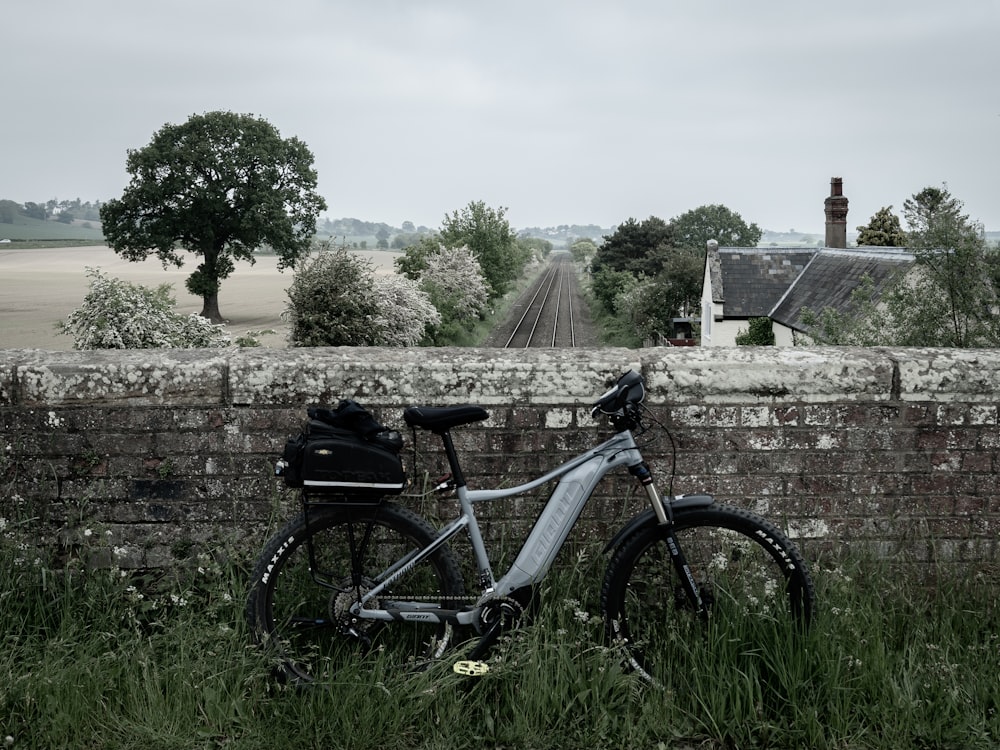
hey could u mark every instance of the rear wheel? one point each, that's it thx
(310, 574)
(748, 574)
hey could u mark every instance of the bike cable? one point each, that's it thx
(673, 445)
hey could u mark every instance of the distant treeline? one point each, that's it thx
(386, 236)
(356, 231)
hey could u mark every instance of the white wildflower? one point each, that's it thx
(719, 561)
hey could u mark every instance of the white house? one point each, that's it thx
(757, 282)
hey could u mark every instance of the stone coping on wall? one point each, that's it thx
(236, 377)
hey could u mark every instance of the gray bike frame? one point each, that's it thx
(578, 478)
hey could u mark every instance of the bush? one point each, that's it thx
(405, 313)
(338, 300)
(118, 314)
(454, 281)
(759, 333)
(609, 285)
(644, 309)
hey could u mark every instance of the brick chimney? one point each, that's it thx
(836, 214)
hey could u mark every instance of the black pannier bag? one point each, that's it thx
(344, 451)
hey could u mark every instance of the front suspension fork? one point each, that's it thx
(665, 517)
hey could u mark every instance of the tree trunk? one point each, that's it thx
(210, 308)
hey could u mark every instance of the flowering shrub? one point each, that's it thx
(453, 278)
(405, 311)
(118, 314)
(337, 299)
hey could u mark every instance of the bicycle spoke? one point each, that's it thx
(746, 582)
(308, 619)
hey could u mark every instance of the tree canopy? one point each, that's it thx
(949, 298)
(957, 276)
(488, 234)
(696, 227)
(636, 247)
(413, 261)
(221, 186)
(883, 230)
(665, 261)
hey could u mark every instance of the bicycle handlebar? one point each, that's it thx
(630, 390)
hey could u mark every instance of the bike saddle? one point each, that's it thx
(442, 418)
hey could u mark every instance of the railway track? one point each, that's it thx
(549, 316)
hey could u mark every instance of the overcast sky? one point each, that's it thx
(562, 112)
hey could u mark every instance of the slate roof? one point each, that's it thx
(754, 279)
(831, 276)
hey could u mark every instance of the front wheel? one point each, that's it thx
(746, 571)
(312, 572)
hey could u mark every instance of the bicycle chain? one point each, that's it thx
(466, 599)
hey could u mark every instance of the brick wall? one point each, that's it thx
(147, 458)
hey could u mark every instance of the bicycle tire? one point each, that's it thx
(302, 588)
(748, 573)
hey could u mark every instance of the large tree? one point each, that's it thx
(488, 234)
(637, 247)
(952, 299)
(949, 298)
(696, 227)
(221, 186)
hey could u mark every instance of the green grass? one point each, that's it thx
(32, 244)
(26, 229)
(95, 659)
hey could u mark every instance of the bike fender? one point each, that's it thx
(648, 517)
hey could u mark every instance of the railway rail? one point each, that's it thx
(549, 318)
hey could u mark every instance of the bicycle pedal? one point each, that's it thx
(471, 668)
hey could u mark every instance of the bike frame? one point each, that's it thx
(578, 477)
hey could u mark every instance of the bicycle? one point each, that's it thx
(357, 576)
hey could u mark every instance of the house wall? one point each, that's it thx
(711, 312)
(149, 458)
(783, 335)
(724, 332)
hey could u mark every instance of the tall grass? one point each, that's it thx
(98, 659)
